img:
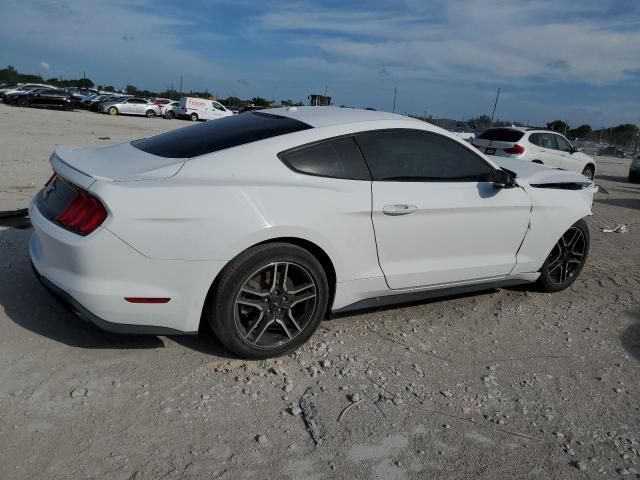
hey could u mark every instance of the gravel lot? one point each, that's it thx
(512, 383)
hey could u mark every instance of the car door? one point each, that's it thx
(565, 151)
(549, 154)
(437, 216)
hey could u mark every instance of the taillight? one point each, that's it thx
(516, 150)
(83, 215)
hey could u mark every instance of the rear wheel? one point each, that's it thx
(566, 260)
(23, 102)
(170, 115)
(112, 111)
(268, 301)
(194, 117)
(588, 172)
(150, 113)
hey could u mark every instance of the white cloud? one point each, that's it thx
(122, 37)
(45, 66)
(474, 40)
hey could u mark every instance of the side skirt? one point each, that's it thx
(410, 297)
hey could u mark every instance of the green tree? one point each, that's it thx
(558, 126)
(260, 102)
(582, 132)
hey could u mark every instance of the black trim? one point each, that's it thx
(409, 297)
(86, 315)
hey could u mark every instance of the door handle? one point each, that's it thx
(397, 210)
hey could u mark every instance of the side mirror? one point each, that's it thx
(502, 179)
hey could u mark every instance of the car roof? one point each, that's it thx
(330, 116)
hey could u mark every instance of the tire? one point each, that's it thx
(150, 114)
(634, 177)
(561, 268)
(194, 117)
(170, 115)
(68, 107)
(23, 102)
(112, 111)
(589, 172)
(255, 318)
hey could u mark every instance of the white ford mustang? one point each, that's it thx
(262, 224)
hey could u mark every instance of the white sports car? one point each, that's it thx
(262, 224)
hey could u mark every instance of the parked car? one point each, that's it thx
(27, 87)
(94, 104)
(48, 98)
(201, 109)
(161, 101)
(251, 108)
(535, 145)
(611, 152)
(634, 169)
(131, 106)
(12, 98)
(170, 110)
(199, 223)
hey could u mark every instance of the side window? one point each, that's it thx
(563, 144)
(217, 106)
(535, 139)
(547, 141)
(415, 155)
(137, 101)
(338, 158)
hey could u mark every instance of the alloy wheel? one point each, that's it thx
(275, 304)
(567, 256)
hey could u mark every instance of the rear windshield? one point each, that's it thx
(501, 135)
(218, 134)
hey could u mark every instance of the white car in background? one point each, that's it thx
(131, 106)
(201, 109)
(535, 145)
(170, 110)
(262, 224)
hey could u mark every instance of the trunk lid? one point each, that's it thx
(116, 163)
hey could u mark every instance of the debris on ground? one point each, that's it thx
(620, 228)
(312, 417)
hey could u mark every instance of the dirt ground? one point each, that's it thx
(511, 383)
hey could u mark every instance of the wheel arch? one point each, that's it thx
(318, 252)
(540, 162)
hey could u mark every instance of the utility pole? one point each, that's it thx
(180, 84)
(273, 97)
(395, 95)
(494, 108)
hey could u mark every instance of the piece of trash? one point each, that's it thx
(620, 228)
(312, 418)
(104, 138)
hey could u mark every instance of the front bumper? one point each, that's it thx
(94, 274)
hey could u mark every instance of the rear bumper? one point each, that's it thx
(94, 274)
(82, 312)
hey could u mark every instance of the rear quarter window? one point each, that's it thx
(220, 134)
(335, 158)
(501, 135)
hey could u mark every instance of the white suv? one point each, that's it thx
(535, 145)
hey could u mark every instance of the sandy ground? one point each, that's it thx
(512, 383)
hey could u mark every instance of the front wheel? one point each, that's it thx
(588, 172)
(170, 115)
(566, 260)
(68, 107)
(150, 114)
(23, 102)
(268, 301)
(112, 111)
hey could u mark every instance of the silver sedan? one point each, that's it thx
(131, 106)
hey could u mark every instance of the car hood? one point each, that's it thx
(115, 163)
(536, 174)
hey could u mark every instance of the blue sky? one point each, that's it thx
(575, 60)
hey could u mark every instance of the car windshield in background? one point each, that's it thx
(219, 134)
(501, 135)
